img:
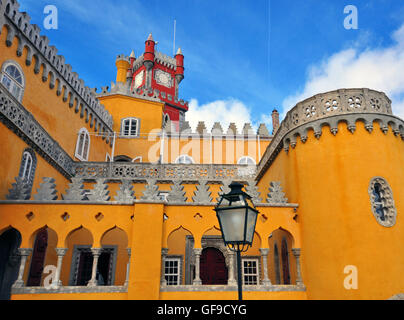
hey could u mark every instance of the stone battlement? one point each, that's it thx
(54, 66)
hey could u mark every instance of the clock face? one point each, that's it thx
(163, 78)
(139, 79)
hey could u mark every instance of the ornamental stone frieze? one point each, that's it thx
(54, 66)
(329, 109)
(23, 123)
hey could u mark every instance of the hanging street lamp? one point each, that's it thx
(237, 218)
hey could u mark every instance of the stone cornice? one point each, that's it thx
(328, 109)
(24, 125)
(54, 66)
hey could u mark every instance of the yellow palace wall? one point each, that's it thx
(329, 178)
(54, 115)
(142, 228)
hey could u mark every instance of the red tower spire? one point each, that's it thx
(179, 72)
(149, 53)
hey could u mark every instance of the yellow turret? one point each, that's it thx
(122, 65)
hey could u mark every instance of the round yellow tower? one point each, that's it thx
(340, 156)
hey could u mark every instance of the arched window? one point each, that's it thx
(27, 167)
(184, 159)
(166, 119)
(247, 160)
(13, 79)
(83, 145)
(130, 127)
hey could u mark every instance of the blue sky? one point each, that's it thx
(243, 58)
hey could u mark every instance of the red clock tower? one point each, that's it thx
(157, 72)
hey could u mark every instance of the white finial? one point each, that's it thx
(179, 51)
(150, 38)
(132, 54)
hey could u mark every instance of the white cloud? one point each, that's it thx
(380, 69)
(226, 112)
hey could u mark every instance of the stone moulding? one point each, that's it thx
(163, 172)
(24, 125)
(328, 109)
(54, 66)
(70, 289)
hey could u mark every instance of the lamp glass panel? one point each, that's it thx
(251, 221)
(232, 223)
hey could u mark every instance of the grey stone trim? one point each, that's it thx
(386, 201)
(202, 195)
(252, 191)
(177, 193)
(28, 35)
(151, 192)
(24, 125)
(224, 288)
(76, 191)
(348, 105)
(275, 194)
(21, 190)
(125, 194)
(70, 289)
(399, 296)
(224, 189)
(165, 60)
(100, 191)
(163, 172)
(47, 191)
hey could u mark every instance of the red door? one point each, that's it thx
(38, 259)
(213, 267)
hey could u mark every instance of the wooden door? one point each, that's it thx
(285, 263)
(213, 267)
(38, 259)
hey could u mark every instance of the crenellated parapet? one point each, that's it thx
(201, 130)
(61, 76)
(328, 110)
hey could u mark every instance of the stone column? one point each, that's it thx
(296, 253)
(96, 254)
(264, 254)
(61, 252)
(232, 277)
(197, 281)
(128, 267)
(24, 253)
(164, 253)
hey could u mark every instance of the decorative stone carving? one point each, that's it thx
(202, 194)
(20, 190)
(151, 192)
(275, 195)
(164, 172)
(47, 191)
(252, 191)
(23, 123)
(100, 192)
(75, 192)
(382, 202)
(177, 193)
(263, 131)
(224, 189)
(125, 193)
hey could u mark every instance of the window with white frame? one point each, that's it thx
(28, 167)
(12, 78)
(250, 272)
(247, 160)
(83, 145)
(172, 271)
(184, 159)
(130, 127)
